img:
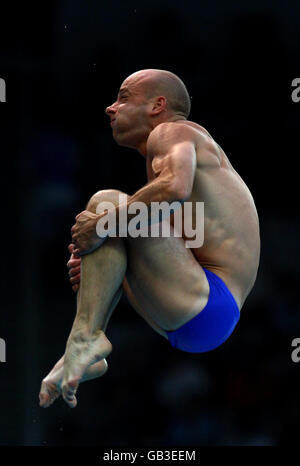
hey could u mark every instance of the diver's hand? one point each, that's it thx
(74, 268)
(84, 234)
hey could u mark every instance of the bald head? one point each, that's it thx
(157, 83)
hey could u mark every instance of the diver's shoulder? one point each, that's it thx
(196, 126)
(182, 129)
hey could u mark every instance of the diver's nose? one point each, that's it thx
(111, 110)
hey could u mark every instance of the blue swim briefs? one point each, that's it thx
(213, 325)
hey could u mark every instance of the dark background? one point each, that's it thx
(63, 62)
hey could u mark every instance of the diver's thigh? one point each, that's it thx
(166, 280)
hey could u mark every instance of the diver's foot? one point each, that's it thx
(82, 351)
(51, 384)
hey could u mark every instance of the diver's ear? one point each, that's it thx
(159, 105)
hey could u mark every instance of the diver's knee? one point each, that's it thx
(106, 195)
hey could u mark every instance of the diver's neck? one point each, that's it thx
(142, 148)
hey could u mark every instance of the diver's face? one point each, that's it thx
(129, 114)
